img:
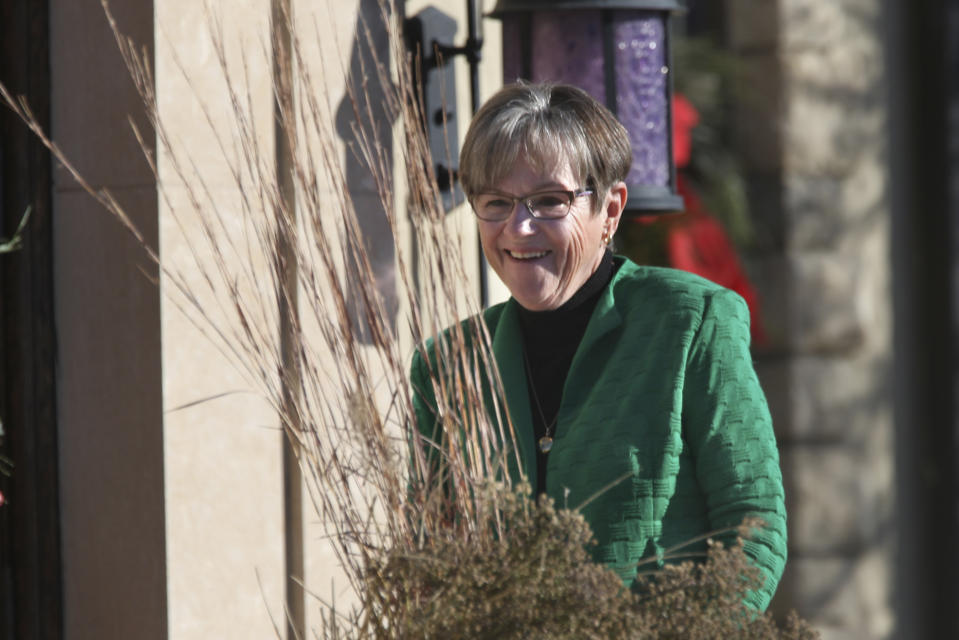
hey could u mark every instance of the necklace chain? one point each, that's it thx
(546, 442)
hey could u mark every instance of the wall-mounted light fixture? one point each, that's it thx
(619, 52)
(429, 36)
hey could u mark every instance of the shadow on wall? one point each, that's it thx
(376, 123)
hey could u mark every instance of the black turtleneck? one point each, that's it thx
(550, 340)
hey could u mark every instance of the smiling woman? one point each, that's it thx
(630, 388)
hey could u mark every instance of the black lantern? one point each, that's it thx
(619, 52)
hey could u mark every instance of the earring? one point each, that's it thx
(607, 238)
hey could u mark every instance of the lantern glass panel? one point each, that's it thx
(564, 46)
(567, 46)
(642, 81)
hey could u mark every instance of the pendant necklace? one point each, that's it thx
(546, 442)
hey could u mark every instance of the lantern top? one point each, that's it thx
(513, 6)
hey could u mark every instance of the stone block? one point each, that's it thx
(839, 499)
(852, 65)
(832, 71)
(826, 317)
(813, 205)
(807, 24)
(811, 302)
(844, 598)
(813, 129)
(865, 199)
(826, 399)
(827, 134)
(828, 212)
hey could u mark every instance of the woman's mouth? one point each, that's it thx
(525, 255)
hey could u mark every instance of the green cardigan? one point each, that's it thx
(661, 390)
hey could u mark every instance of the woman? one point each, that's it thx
(634, 383)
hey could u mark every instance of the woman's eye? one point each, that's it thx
(550, 200)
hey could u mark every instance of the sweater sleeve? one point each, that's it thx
(729, 430)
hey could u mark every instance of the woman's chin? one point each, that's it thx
(534, 300)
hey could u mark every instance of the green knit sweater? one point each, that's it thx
(662, 391)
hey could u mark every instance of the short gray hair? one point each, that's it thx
(545, 123)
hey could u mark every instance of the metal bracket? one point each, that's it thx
(429, 36)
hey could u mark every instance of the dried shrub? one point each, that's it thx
(539, 582)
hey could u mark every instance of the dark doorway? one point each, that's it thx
(923, 58)
(30, 575)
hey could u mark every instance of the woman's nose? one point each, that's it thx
(521, 221)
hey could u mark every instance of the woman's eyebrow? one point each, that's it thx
(546, 186)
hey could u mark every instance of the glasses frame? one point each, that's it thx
(525, 199)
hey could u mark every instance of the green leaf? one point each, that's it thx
(16, 242)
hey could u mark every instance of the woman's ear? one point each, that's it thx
(614, 205)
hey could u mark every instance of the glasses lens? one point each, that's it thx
(549, 204)
(490, 206)
(554, 204)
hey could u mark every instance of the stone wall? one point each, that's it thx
(812, 127)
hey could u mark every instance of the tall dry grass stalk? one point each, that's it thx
(367, 469)
(430, 534)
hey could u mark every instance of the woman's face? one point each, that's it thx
(544, 262)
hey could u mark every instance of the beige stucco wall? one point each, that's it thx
(222, 456)
(224, 491)
(223, 483)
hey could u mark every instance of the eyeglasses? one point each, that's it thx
(548, 205)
